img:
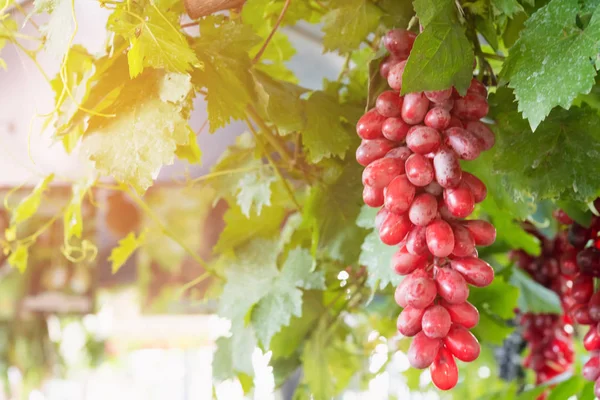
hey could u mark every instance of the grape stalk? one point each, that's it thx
(411, 150)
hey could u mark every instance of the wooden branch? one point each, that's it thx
(201, 8)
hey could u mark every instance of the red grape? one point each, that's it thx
(399, 42)
(486, 137)
(423, 140)
(387, 64)
(455, 123)
(483, 232)
(436, 322)
(434, 188)
(464, 244)
(447, 168)
(470, 107)
(409, 321)
(369, 125)
(399, 153)
(463, 142)
(583, 289)
(477, 88)
(395, 129)
(394, 228)
(423, 209)
(475, 271)
(562, 217)
(420, 291)
(371, 150)
(463, 314)
(594, 306)
(405, 263)
(373, 197)
(416, 242)
(437, 118)
(451, 286)
(589, 261)
(581, 315)
(419, 170)
(444, 372)
(400, 293)
(422, 351)
(477, 187)
(462, 344)
(439, 96)
(394, 76)
(591, 369)
(399, 194)
(389, 104)
(415, 107)
(380, 217)
(440, 238)
(591, 340)
(459, 200)
(380, 173)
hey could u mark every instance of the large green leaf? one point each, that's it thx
(533, 297)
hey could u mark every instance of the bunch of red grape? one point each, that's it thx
(411, 147)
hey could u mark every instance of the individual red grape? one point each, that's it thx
(420, 291)
(591, 369)
(577, 235)
(594, 306)
(597, 388)
(477, 187)
(423, 209)
(415, 107)
(568, 262)
(437, 118)
(380, 173)
(464, 244)
(373, 197)
(419, 170)
(463, 142)
(470, 107)
(486, 137)
(409, 321)
(475, 271)
(395, 129)
(581, 314)
(389, 104)
(399, 194)
(399, 153)
(394, 228)
(423, 140)
(405, 263)
(463, 314)
(455, 123)
(422, 351)
(462, 344)
(439, 96)
(387, 64)
(416, 242)
(589, 261)
(434, 188)
(444, 372)
(369, 125)
(451, 286)
(371, 150)
(400, 293)
(477, 88)
(436, 322)
(583, 289)
(482, 231)
(591, 340)
(447, 168)
(394, 76)
(562, 217)
(459, 200)
(440, 238)
(399, 42)
(380, 217)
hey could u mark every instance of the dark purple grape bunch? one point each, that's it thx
(411, 148)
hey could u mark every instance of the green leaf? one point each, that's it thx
(396, 13)
(330, 211)
(554, 163)
(348, 23)
(30, 204)
(568, 388)
(145, 132)
(507, 7)
(234, 354)
(154, 36)
(60, 26)
(223, 48)
(126, 247)
(191, 151)
(255, 190)
(550, 63)
(534, 297)
(377, 256)
(18, 257)
(442, 56)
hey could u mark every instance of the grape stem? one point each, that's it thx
(272, 33)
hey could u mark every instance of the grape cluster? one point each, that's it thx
(411, 147)
(508, 357)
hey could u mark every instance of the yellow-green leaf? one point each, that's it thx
(190, 151)
(60, 26)
(30, 204)
(72, 221)
(18, 258)
(126, 247)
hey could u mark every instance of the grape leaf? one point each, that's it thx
(554, 163)
(507, 7)
(255, 191)
(348, 23)
(223, 47)
(325, 133)
(60, 26)
(396, 13)
(442, 56)
(234, 353)
(133, 146)
(153, 32)
(8, 27)
(124, 250)
(568, 388)
(30, 204)
(191, 151)
(330, 211)
(377, 256)
(18, 257)
(534, 297)
(550, 63)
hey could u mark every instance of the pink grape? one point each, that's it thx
(594, 306)
(371, 150)
(463, 142)
(380, 217)
(421, 290)
(395, 129)
(459, 200)
(409, 321)
(434, 188)
(470, 107)
(477, 88)
(464, 244)
(447, 168)
(394, 76)
(387, 64)
(455, 123)
(405, 263)
(399, 194)
(423, 140)
(423, 209)
(373, 197)
(394, 228)
(483, 232)
(583, 289)
(437, 118)
(439, 96)
(399, 153)
(486, 137)
(591, 340)
(414, 108)
(444, 372)
(422, 351)
(477, 187)
(399, 42)
(462, 344)
(451, 286)
(380, 173)
(389, 104)
(419, 170)
(369, 125)
(436, 322)
(416, 242)
(591, 369)
(475, 271)
(463, 314)
(440, 239)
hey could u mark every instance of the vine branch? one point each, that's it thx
(275, 27)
